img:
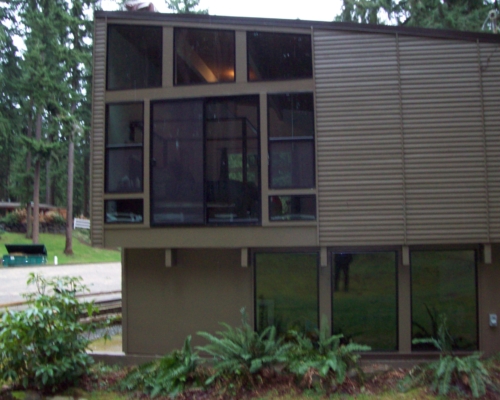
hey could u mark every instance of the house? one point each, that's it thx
(302, 170)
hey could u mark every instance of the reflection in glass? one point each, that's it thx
(177, 171)
(292, 208)
(364, 298)
(291, 115)
(124, 143)
(444, 284)
(232, 160)
(286, 290)
(203, 56)
(273, 56)
(291, 164)
(124, 211)
(134, 57)
(124, 170)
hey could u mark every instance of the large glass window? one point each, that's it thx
(134, 57)
(365, 298)
(205, 156)
(444, 286)
(286, 291)
(204, 56)
(291, 140)
(177, 162)
(232, 160)
(124, 147)
(273, 56)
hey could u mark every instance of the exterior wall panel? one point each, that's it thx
(98, 135)
(444, 149)
(360, 171)
(490, 72)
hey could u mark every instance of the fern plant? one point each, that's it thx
(240, 353)
(450, 371)
(326, 357)
(168, 376)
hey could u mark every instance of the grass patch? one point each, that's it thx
(55, 243)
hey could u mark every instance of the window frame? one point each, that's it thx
(174, 56)
(110, 147)
(204, 121)
(290, 139)
(108, 43)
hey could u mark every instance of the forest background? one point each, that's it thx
(46, 77)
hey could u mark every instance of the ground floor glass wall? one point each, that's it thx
(286, 291)
(444, 286)
(364, 289)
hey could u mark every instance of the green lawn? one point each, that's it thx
(83, 253)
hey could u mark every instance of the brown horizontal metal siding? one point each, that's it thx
(490, 72)
(446, 198)
(360, 171)
(97, 142)
(403, 135)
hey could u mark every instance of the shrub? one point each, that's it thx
(44, 346)
(450, 372)
(168, 376)
(14, 218)
(240, 353)
(53, 217)
(326, 356)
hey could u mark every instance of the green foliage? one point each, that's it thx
(239, 353)
(185, 6)
(44, 346)
(450, 372)
(325, 357)
(168, 376)
(11, 219)
(459, 14)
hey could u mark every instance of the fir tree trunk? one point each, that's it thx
(68, 250)
(36, 184)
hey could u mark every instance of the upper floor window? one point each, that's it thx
(134, 57)
(291, 140)
(273, 56)
(205, 161)
(124, 142)
(204, 56)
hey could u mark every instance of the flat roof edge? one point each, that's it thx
(300, 24)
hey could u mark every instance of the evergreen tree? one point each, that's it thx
(185, 6)
(449, 14)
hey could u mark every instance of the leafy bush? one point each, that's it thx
(53, 217)
(14, 218)
(44, 346)
(240, 353)
(326, 356)
(450, 372)
(167, 376)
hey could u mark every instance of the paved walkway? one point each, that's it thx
(100, 278)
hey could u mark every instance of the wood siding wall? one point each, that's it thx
(97, 136)
(407, 144)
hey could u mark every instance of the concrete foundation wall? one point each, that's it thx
(165, 305)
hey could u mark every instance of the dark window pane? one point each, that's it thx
(124, 124)
(134, 57)
(444, 285)
(291, 164)
(286, 290)
(364, 298)
(203, 56)
(292, 208)
(232, 160)
(291, 115)
(278, 56)
(124, 211)
(124, 170)
(177, 170)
